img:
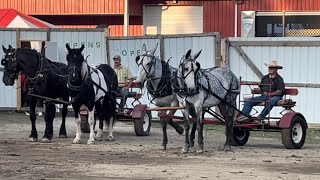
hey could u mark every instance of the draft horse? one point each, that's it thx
(205, 88)
(158, 75)
(94, 87)
(44, 78)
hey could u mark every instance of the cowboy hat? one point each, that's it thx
(273, 64)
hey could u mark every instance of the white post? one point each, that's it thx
(235, 18)
(126, 18)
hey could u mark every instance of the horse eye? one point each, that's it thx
(186, 69)
(137, 58)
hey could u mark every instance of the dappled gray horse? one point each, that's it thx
(158, 75)
(204, 88)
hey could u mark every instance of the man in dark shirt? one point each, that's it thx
(274, 93)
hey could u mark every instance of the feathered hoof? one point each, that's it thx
(90, 141)
(200, 151)
(185, 149)
(32, 139)
(227, 148)
(98, 138)
(45, 140)
(110, 138)
(62, 136)
(77, 141)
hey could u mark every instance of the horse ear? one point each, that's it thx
(195, 56)
(4, 49)
(154, 49)
(188, 54)
(68, 47)
(82, 48)
(10, 47)
(198, 65)
(144, 48)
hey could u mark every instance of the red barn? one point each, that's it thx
(139, 17)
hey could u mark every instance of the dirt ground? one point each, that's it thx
(132, 157)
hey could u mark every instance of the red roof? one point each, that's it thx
(7, 16)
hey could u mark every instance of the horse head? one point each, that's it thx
(188, 69)
(11, 69)
(145, 63)
(76, 64)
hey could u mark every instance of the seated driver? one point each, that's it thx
(125, 78)
(276, 94)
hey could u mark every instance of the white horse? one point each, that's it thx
(158, 75)
(204, 88)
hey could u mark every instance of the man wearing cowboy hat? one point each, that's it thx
(273, 93)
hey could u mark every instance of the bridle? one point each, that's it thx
(72, 87)
(152, 62)
(9, 61)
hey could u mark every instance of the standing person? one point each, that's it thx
(125, 78)
(275, 95)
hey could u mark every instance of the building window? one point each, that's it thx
(299, 24)
(269, 26)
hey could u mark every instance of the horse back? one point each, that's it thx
(110, 76)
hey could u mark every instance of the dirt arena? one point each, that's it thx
(132, 157)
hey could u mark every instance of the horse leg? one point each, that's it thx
(32, 108)
(110, 129)
(63, 132)
(174, 124)
(49, 116)
(193, 129)
(77, 139)
(164, 133)
(199, 124)
(101, 119)
(186, 146)
(228, 114)
(91, 124)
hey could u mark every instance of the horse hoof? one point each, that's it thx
(45, 140)
(62, 136)
(77, 141)
(185, 149)
(180, 130)
(199, 151)
(227, 148)
(90, 141)
(32, 139)
(110, 138)
(164, 147)
(98, 138)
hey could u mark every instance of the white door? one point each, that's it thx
(172, 19)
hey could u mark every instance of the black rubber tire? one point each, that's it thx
(139, 124)
(295, 136)
(85, 128)
(240, 136)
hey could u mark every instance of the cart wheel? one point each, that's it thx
(85, 128)
(142, 126)
(240, 136)
(295, 136)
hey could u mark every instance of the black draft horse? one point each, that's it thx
(94, 87)
(44, 78)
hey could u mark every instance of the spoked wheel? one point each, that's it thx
(295, 136)
(85, 128)
(240, 136)
(142, 126)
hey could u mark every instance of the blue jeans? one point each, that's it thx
(249, 104)
(123, 92)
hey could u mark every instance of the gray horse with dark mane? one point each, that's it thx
(204, 88)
